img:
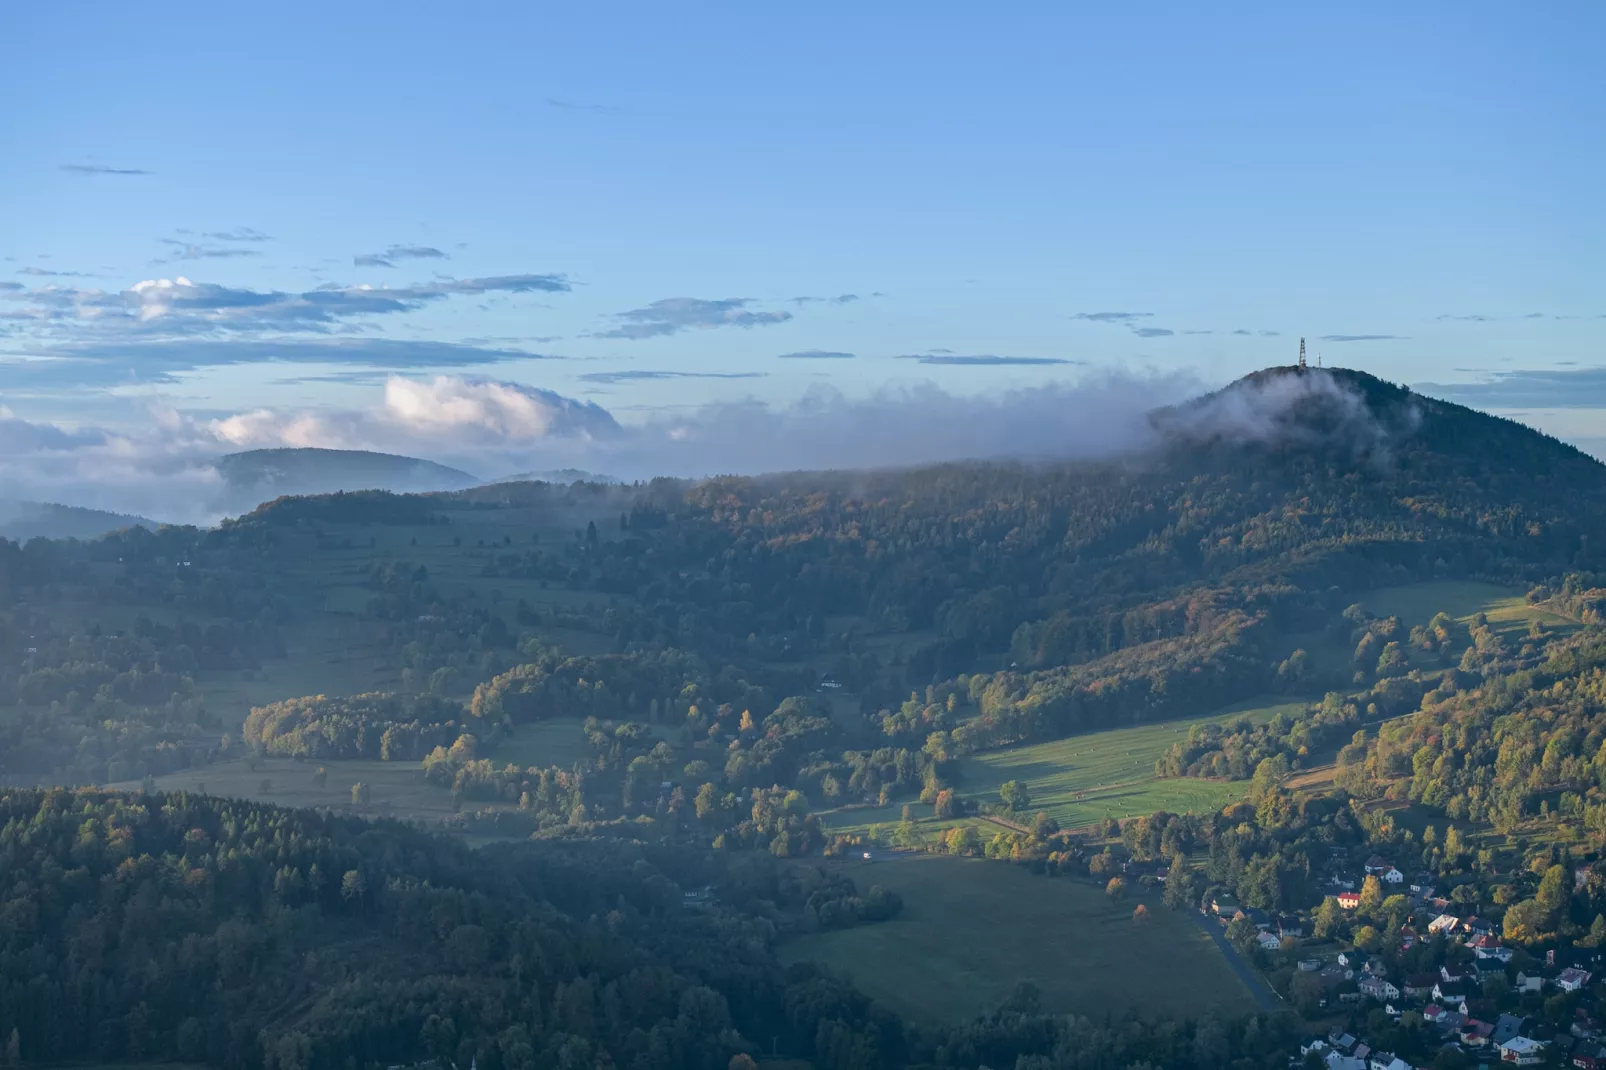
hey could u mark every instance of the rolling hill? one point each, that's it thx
(24, 520)
(259, 475)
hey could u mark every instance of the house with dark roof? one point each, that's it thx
(1589, 1056)
(1508, 1026)
(1419, 985)
(1572, 979)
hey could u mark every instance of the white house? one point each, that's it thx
(1521, 1051)
(1572, 979)
(1487, 947)
(1392, 876)
(1446, 996)
(1378, 988)
(1269, 941)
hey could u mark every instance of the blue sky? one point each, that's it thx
(669, 199)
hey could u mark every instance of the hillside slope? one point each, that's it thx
(1321, 478)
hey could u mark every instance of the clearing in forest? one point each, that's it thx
(1083, 779)
(971, 929)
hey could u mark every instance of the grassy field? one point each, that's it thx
(971, 929)
(397, 788)
(1086, 778)
(1416, 603)
(559, 741)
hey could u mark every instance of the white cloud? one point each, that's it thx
(491, 411)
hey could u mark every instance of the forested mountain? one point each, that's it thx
(737, 656)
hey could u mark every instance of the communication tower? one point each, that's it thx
(1301, 354)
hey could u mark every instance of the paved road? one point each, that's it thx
(1264, 996)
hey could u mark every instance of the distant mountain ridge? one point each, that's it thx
(256, 476)
(24, 520)
(556, 475)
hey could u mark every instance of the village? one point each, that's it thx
(1445, 983)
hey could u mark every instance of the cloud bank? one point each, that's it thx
(166, 470)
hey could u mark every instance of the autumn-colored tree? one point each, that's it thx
(1371, 897)
(1116, 889)
(1552, 895)
(1140, 914)
(1242, 934)
(1329, 918)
